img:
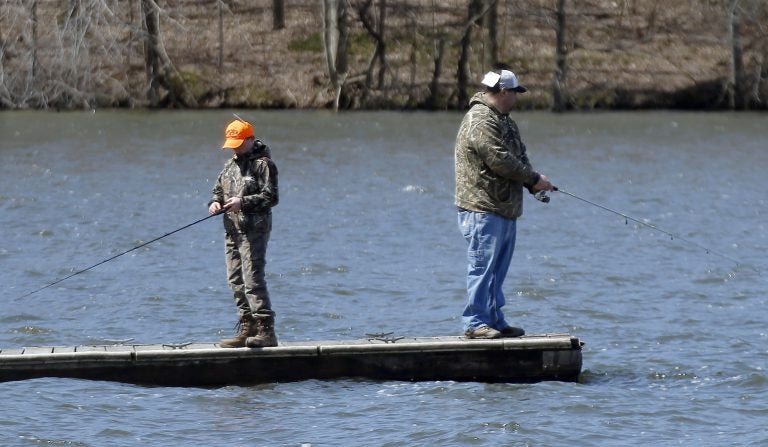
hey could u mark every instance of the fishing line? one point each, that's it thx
(541, 196)
(121, 254)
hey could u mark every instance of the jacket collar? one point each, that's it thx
(482, 98)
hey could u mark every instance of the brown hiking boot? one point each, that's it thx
(265, 334)
(485, 332)
(245, 328)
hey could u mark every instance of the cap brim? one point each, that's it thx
(232, 143)
(520, 89)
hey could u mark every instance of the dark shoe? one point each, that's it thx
(511, 331)
(485, 332)
(265, 334)
(245, 328)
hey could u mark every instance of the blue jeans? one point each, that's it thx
(491, 243)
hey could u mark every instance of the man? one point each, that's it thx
(247, 189)
(492, 168)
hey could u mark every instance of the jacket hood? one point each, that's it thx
(259, 150)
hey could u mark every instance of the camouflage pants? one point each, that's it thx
(246, 258)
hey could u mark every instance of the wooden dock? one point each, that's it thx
(515, 360)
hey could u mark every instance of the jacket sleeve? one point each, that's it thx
(489, 145)
(268, 195)
(218, 191)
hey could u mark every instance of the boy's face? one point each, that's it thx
(245, 147)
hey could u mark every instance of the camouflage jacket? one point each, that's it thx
(492, 166)
(252, 177)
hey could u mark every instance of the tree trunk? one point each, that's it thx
(341, 57)
(736, 81)
(278, 14)
(761, 87)
(381, 43)
(151, 58)
(331, 37)
(434, 85)
(559, 89)
(335, 37)
(131, 33)
(762, 83)
(221, 35)
(462, 77)
(491, 43)
(753, 98)
(375, 27)
(34, 39)
(160, 71)
(475, 13)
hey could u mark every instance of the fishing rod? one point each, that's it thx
(132, 249)
(543, 197)
(223, 210)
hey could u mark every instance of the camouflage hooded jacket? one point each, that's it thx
(252, 177)
(492, 166)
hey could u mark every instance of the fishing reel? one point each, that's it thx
(542, 196)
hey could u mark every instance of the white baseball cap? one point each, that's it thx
(506, 80)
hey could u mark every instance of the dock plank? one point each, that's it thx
(63, 349)
(96, 348)
(38, 350)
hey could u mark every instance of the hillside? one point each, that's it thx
(226, 53)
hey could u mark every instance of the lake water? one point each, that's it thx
(365, 240)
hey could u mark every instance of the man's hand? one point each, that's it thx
(542, 185)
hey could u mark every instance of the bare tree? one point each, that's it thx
(437, 70)
(761, 81)
(754, 51)
(159, 68)
(335, 39)
(278, 14)
(490, 37)
(33, 8)
(559, 89)
(220, 10)
(375, 27)
(736, 76)
(151, 16)
(760, 89)
(440, 38)
(475, 12)
(5, 94)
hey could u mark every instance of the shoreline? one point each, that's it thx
(411, 55)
